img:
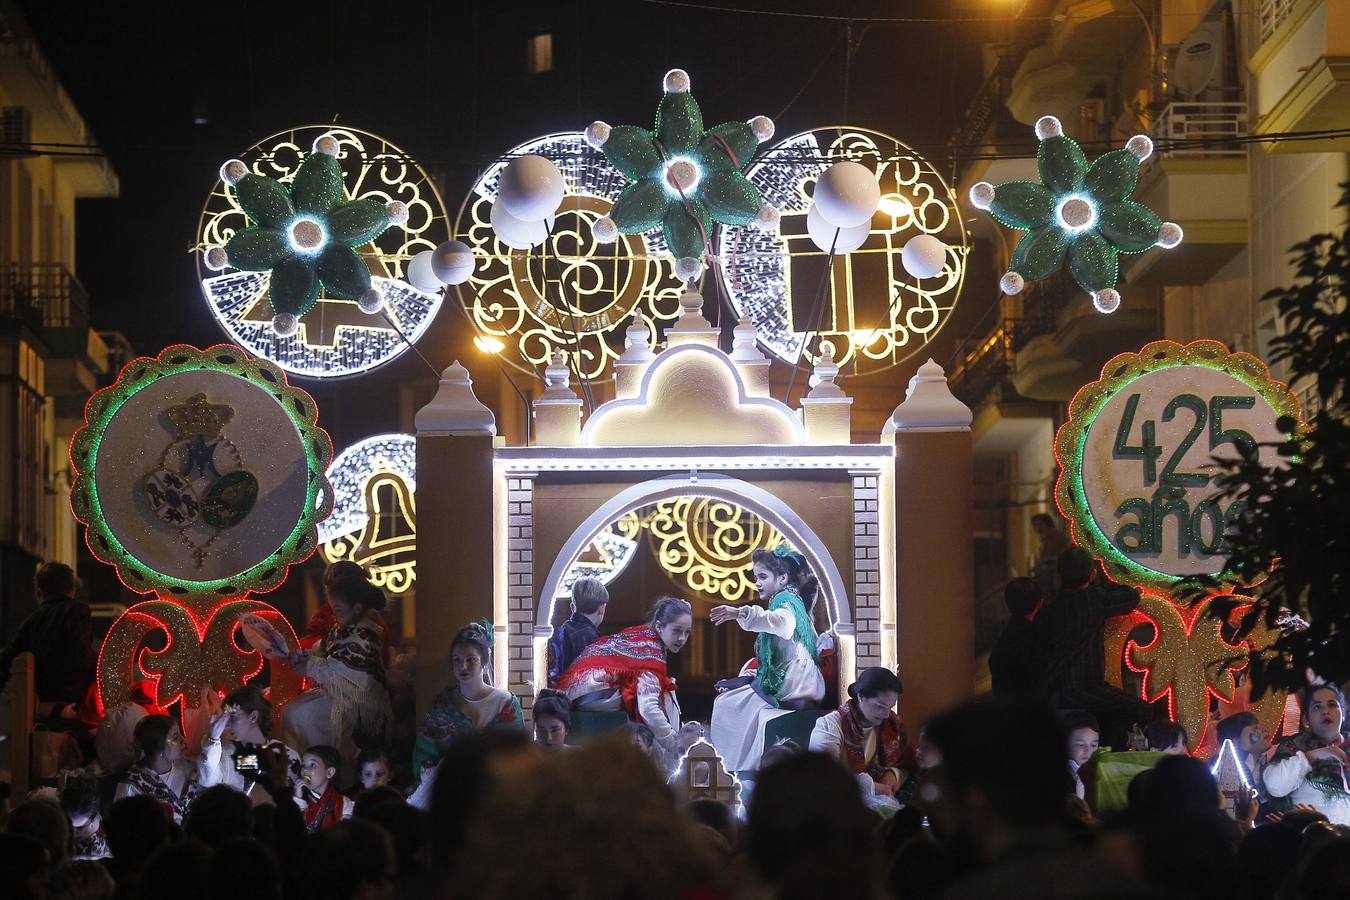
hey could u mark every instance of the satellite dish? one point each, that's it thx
(1198, 60)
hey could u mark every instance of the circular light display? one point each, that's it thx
(335, 338)
(571, 293)
(872, 312)
(200, 474)
(1137, 457)
(374, 520)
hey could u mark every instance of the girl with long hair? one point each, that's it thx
(469, 703)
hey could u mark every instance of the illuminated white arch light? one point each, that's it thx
(349, 472)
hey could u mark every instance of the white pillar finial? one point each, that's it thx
(455, 409)
(929, 404)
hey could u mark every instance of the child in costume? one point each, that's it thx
(469, 703)
(866, 737)
(1311, 766)
(319, 800)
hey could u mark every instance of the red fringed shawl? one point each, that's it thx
(624, 656)
(893, 750)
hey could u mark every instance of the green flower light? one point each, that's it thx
(1079, 211)
(305, 235)
(684, 177)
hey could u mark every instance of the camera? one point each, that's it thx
(248, 761)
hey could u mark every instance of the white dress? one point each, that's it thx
(739, 715)
(661, 715)
(1289, 778)
(217, 767)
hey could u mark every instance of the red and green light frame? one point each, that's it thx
(103, 406)
(1118, 374)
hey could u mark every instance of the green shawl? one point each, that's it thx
(769, 675)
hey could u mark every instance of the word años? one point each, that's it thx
(1201, 530)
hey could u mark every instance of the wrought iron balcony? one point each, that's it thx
(1194, 129)
(1273, 13)
(43, 295)
(985, 366)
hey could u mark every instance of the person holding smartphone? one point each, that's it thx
(243, 724)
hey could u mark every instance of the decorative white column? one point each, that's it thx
(749, 359)
(557, 411)
(691, 327)
(825, 410)
(632, 365)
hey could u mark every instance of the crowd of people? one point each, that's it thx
(996, 798)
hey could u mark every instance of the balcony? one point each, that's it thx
(1198, 179)
(52, 303)
(1302, 72)
(1004, 422)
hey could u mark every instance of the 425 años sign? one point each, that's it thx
(1137, 456)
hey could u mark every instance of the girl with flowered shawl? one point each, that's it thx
(1311, 767)
(627, 671)
(162, 771)
(784, 674)
(469, 703)
(867, 737)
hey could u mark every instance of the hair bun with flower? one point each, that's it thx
(484, 626)
(785, 552)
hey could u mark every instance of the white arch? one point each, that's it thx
(838, 608)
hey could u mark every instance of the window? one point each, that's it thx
(539, 54)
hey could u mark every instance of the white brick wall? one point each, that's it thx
(866, 571)
(518, 629)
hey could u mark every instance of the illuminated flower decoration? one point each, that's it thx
(305, 235)
(1080, 211)
(685, 177)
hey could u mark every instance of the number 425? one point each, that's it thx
(1149, 451)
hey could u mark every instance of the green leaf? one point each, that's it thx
(1062, 164)
(712, 153)
(1130, 227)
(1112, 177)
(631, 151)
(357, 222)
(317, 187)
(1040, 253)
(730, 198)
(343, 272)
(685, 234)
(679, 124)
(1092, 261)
(1023, 204)
(264, 200)
(640, 206)
(256, 249)
(294, 286)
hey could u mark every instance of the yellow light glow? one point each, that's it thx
(486, 343)
(863, 339)
(386, 547)
(895, 206)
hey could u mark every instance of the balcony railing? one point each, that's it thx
(43, 295)
(1274, 12)
(984, 367)
(1186, 129)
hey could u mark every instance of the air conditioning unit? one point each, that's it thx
(16, 131)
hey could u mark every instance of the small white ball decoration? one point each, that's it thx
(370, 302)
(604, 230)
(531, 187)
(1077, 212)
(981, 195)
(1048, 127)
(233, 171)
(515, 233)
(762, 128)
(687, 268)
(327, 145)
(1169, 235)
(823, 236)
(452, 262)
(1011, 283)
(397, 211)
(285, 324)
(923, 256)
(597, 133)
(847, 194)
(682, 175)
(420, 274)
(1140, 147)
(676, 82)
(1106, 300)
(767, 218)
(217, 260)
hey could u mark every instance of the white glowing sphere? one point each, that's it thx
(1011, 283)
(518, 234)
(1048, 127)
(1140, 147)
(452, 262)
(1106, 300)
(217, 260)
(327, 145)
(370, 302)
(847, 194)
(233, 171)
(1077, 214)
(420, 274)
(597, 133)
(397, 211)
(682, 175)
(687, 268)
(923, 256)
(531, 187)
(767, 218)
(285, 324)
(762, 128)
(823, 233)
(981, 195)
(676, 82)
(1169, 235)
(306, 236)
(604, 230)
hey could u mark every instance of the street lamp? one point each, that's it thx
(492, 346)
